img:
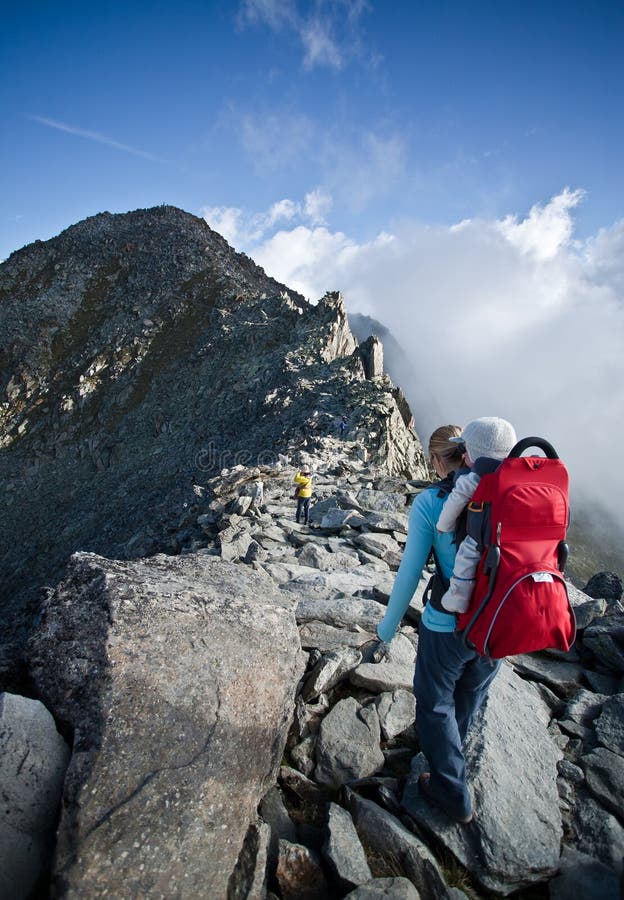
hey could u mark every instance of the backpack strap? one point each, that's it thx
(438, 584)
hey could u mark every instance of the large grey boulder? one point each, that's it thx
(511, 766)
(33, 759)
(348, 744)
(177, 676)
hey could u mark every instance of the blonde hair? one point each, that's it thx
(452, 454)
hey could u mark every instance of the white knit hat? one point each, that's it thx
(489, 436)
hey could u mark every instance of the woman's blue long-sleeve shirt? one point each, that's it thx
(422, 535)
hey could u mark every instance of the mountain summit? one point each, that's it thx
(141, 356)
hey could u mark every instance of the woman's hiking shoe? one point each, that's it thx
(425, 790)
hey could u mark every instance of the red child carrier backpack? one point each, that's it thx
(518, 515)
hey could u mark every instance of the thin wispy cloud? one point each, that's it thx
(97, 137)
(330, 33)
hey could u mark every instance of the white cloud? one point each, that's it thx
(244, 229)
(547, 228)
(319, 46)
(275, 14)
(317, 204)
(506, 317)
(329, 31)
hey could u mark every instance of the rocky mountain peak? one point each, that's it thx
(142, 354)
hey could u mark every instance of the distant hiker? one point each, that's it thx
(486, 442)
(343, 426)
(303, 492)
(451, 681)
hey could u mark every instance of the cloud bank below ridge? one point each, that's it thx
(509, 317)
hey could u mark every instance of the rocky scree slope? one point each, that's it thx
(140, 355)
(178, 677)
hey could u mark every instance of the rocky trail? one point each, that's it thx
(233, 737)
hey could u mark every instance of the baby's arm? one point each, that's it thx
(457, 500)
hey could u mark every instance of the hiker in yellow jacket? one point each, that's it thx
(303, 480)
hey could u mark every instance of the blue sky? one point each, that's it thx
(454, 168)
(428, 110)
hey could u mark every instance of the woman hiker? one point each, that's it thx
(450, 681)
(303, 480)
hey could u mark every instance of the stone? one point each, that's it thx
(329, 671)
(368, 559)
(603, 638)
(396, 711)
(175, 674)
(348, 744)
(385, 889)
(302, 755)
(299, 873)
(302, 786)
(584, 706)
(376, 543)
(234, 543)
(319, 558)
(585, 608)
(248, 880)
(255, 490)
(511, 766)
(241, 505)
(273, 811)
(573, 774)
(604, 772)
(601, 683)
(599, 833)
(340, 612)
(604, 584)
(582, 876)
(33, 760)
(336, 519)
(610, 724)
(386, 521)
(343, 850)
(328, 637)
(561, 677)
(381, 501)
(385, 838)
(396, 670)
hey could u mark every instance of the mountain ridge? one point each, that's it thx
(140, 347)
